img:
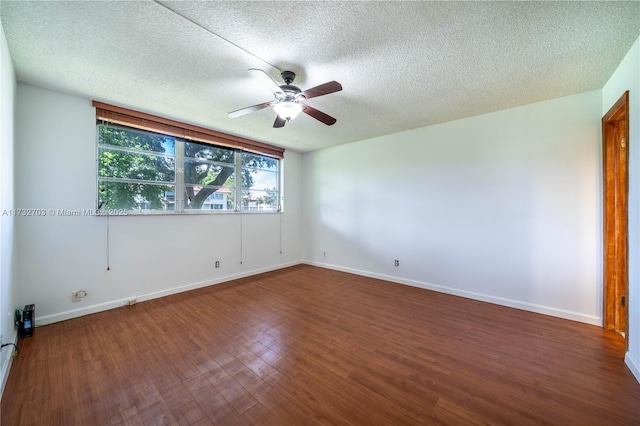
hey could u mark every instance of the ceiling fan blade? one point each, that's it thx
(323, 89)
(319, 115)
(266, 80)
(247, 110)
(280, 122)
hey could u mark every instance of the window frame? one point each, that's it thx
(179, 183)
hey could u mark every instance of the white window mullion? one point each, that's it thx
(280, 207)
(238, 174)
(180, 190)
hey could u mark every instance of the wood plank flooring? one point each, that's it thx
(308, 346)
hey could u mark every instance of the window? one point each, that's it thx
(260, 182)
(208, 171)
(142, 171)
(136, 170)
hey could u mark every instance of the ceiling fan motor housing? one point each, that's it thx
(291, 92)
(288, 76)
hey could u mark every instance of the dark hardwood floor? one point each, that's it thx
(305, 346)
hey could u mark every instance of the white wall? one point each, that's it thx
(503, 207)
(627, 77)
(150, 256)
(8, 290)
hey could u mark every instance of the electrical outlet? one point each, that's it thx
(78, 295)
(397, 262)
(217, 263)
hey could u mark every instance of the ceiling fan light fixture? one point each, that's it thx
(288, 102)
(288, 110)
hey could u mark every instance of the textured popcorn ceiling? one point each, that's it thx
(403, 65)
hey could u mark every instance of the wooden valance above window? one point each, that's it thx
(139, 120)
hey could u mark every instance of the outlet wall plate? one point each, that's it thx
(78, 295)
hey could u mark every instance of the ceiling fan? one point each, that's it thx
(288, 99)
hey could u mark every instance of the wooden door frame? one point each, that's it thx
(613, 288)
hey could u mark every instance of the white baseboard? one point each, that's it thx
(75, 313)
(6, 358)
(633, 365)
(574, 316)
(531, 307)
(194, 286)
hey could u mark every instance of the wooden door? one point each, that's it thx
(615, 134)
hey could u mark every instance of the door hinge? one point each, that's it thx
(623, 301)
(623, 143)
